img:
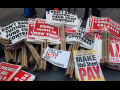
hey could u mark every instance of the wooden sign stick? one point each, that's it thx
(6, 55)
(103, 48)
(108, 44)
(69, 49)
(19, 60)
(56, 68)
(31, 50)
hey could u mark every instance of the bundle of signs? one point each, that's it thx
(56, 40)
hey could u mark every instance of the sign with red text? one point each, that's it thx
(8, 71)
(44, 31)
(87, 65)
(30, 29)
(114, 51)
(23, 76)
(98, 25)
(59, 58)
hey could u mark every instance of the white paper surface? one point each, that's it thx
(59, 58)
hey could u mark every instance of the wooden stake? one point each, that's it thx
(106, 47)
(103, 48)
(69, 63)
(19, 60)
(6, 55)
(56, 68)
(32, 49)
(14, 55)
(108, 42)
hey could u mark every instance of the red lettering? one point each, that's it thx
(47, 53)
(82, 73)
(90, 73)
(117, 50)
(55, 56)
(52, 55)
(96, 71)
(111, 50)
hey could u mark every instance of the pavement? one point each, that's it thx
(10, 15)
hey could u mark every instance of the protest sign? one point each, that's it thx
(98, 47)
(79, 36)
(59, 58)
(88, 67)
(57, 18)
(45, 31)
(8, 71)
(114, 51)
(30, 30)
(23, 76)
(15, 31)
(99, 25)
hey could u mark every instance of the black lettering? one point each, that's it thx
(13, 33)
(79, 59)
(93, 56)
(19, 26)
(16, 36)
(7, 36)
(84, 59)
(23, 33)
(89, 58)
(13, 37)
(3, 30)
(10, 34)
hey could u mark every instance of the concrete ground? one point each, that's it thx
(9, 15)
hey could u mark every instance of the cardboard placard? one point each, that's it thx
(23, 76)
(15, 31)
(8, 71)
(45, 31)
(87, 65)
(114, 51)
(59, 58)
(79, 36)
(57, 18)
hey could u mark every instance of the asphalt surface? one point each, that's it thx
(9, 15)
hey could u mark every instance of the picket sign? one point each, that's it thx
(99, 25)
(30, 30)
(23, 76)
(43, 31)
(8, 71)
(15, 31)
(114, 51)
(79, 36)
(87, 66)
(98, 47)
(60, 17)
(59, 58)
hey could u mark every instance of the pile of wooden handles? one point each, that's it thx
(105, 47)
(33, 52)
(43, 61)
(70, 68)
(56, 68)
(63, 42)
(5, 42)
(8, 55)
(31, 59)
(24, 63)
(19, 59)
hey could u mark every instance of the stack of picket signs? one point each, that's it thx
(106, 34)
(12, 72)
(58, 18)
(39, 41)
(99, 25)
